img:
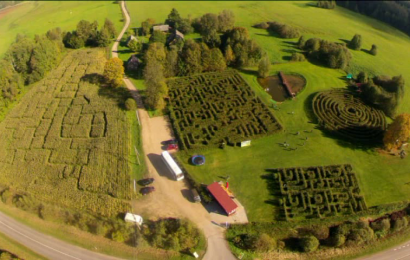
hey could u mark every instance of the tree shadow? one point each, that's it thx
(249, 72)
(309, 109)
(307, 5)
(287, 58)
(345, 41)
(274, 191)
(366, 51)
(288, 50)
(290, 43)
(125, 51)
(260, 34)
(117, 94)
(93, 78)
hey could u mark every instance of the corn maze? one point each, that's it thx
(212, 108)
(318, 192)
(65, 144)
(341, 112)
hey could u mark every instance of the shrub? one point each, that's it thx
(337, 240)
(284, 30)
(264, 243)
(297, 57)
(399, 224)
(130, 104)
(373, 50)
(326, 4)
(263, 25)
(264, 67)
(309, 244)
(356, 42)
(117, 236)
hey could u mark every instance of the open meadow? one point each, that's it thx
(37, 17)
(382, 178)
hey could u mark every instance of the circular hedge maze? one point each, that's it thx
(341, 112)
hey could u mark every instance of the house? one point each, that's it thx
(163, 28)
(223, 198)
(175, 36)
(132, 63)
(131, 38)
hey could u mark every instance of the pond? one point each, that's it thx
(273, 85)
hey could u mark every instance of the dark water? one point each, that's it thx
(273, 86)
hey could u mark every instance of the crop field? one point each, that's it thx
(212, 108)
(340, 111)
(66, 143)
(318, 191)
(37, 17)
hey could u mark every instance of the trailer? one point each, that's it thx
(172, 166)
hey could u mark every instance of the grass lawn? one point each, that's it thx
(37, 17)
(382, 178)
(13, 247)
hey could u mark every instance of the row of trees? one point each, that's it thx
(395, 13)
(282, 30)
(326, 4)
(333, 55)
(87, 34)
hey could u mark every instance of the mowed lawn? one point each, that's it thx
(37, 17)
(382, 178)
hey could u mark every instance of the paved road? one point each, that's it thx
(171, 198)
(399, 252)
(45, 245)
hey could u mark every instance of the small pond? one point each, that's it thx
(274, 87)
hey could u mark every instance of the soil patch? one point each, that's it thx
(273, 85)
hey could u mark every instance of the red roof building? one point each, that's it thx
(223, 198)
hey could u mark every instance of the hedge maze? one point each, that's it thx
(217, 107)
(65, 144)
(341, 112)
(318, 192)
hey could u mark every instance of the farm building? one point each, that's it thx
(132, 63)
(131, 38)
(162, 28)
(175, 36)
(223, 198)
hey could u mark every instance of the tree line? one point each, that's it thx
(221, 45)
(28, 60)
(394, 13)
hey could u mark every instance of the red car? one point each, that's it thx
(147, 190)
(172, 147)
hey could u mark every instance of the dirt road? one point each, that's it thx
(171, 198)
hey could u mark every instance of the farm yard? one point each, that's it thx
(66, 143)
(216, 108)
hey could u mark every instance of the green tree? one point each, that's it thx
(264, 67)
(356, 42)
(155, 84)
(87, 32)
(19, 54)
(113, 72)
(173, 18)
(171, 64)
(109, 25)
(301, 42)
(147, 25)
(10, 80)
(158, 36)
(134, 45)
(362, 77)
(71, 40)
(190, 58)
(229, 56)
(264, 243)
(213, 60)
(297, 57)
(309, 244)
(226, 21)
(212, 39)
(130, 104)
(373, 50)
(103, 37)
(208, 23)
(185, 27)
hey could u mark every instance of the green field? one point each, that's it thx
(382, 178)
(37, 17)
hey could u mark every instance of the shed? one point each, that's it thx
(223, 198)
(161, 27)
(174, 36)
(132, 63)
(131, 38)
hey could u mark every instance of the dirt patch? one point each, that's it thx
(274, 87)
(7, 10)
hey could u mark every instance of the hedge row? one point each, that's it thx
(320, 192)
(214, 108)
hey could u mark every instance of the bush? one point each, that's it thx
(284, 30)
(326, 4)
(399, 224)
(263, 25)
(297, 57)
(130, 104)
(264, 243)
(356, 42)
(337, 240)
(373, 50)
(309, 244)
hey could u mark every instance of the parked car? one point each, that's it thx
(145, 182)
(172, 147)
(147, 190)
(171, 141)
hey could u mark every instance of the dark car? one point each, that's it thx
(170, 141)
(145, 182)
(147, 190)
